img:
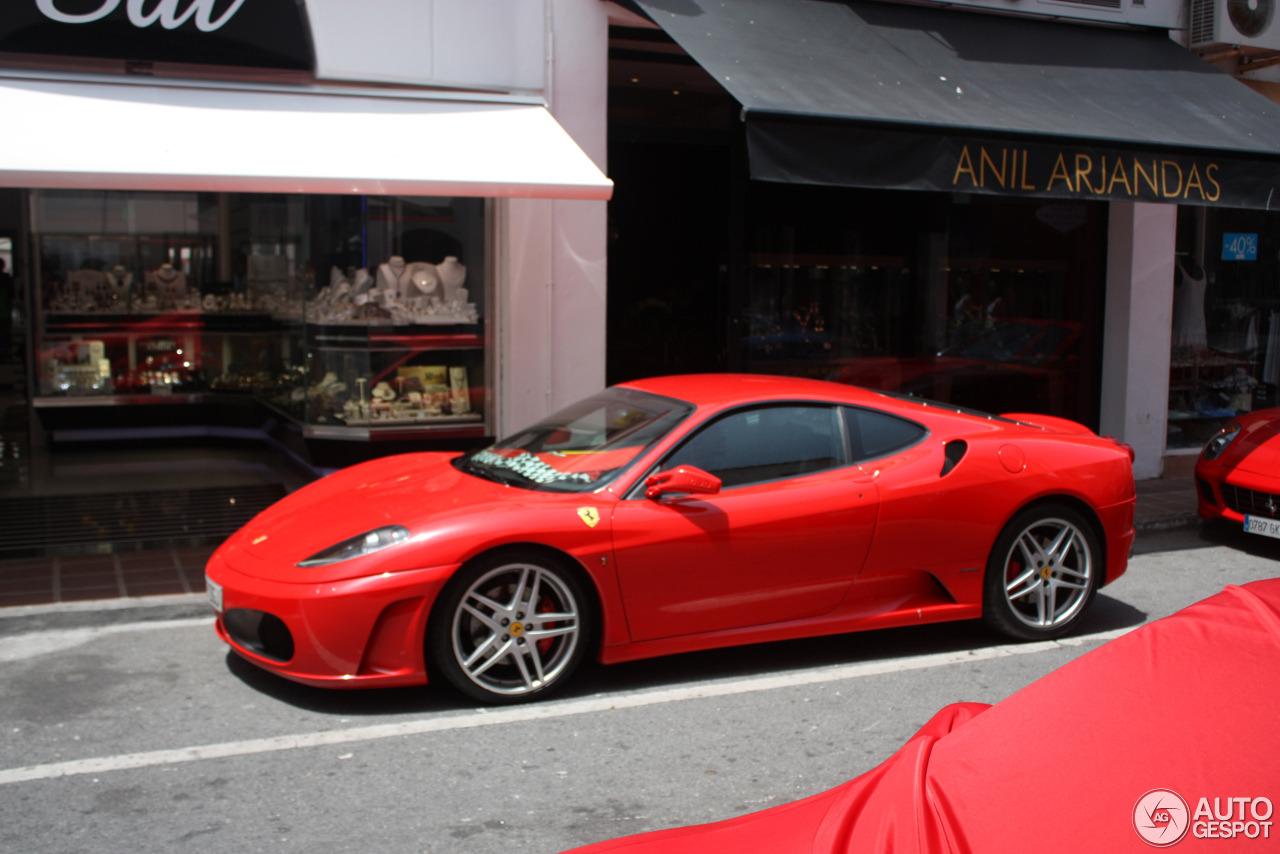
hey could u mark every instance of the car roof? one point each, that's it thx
(715, 390)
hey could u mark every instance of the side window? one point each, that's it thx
(765, 444)
(874, 434)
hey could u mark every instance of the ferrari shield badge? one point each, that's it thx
(590, 515)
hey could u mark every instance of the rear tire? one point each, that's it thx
(1042, 573)
(511, 627)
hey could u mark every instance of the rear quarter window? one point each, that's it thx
(875, 434)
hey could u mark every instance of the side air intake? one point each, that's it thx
(955, 452)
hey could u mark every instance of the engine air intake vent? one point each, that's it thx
(259, 632)
(955, 453)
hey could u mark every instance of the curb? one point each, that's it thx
(1170, 522)
(114, 603)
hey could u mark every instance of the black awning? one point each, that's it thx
(861, 93)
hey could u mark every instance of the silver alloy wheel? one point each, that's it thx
(1048, 573)
(515, 629)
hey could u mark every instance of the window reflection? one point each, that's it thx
(988, 303)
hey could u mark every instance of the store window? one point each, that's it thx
(980, 301)
(1225, 358)
(340, 311)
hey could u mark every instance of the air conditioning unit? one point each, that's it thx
(1246, 23)
(1164, 14)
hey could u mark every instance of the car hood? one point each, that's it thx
(1260, 450)
(408, 490)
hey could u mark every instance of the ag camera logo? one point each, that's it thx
(1160, 817)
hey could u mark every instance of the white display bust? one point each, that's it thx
(393, 275)
(167, 280)
(119, 279)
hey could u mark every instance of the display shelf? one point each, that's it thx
(395, 337)
(393, 434)
(90, 400)
(1206, 390)
(166, 356)
(1178, 416)
(209, 322)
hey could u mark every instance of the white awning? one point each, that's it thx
(89, 135)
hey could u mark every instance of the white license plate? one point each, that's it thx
(1265, 527)
(215, 593)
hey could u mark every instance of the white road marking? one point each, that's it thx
(31, 644)
(540, 711)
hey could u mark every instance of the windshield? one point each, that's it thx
(580, 448)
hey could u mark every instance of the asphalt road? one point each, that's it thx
(134, 730)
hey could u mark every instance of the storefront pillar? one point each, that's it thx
(553, 326)
(525, 328)
(578, 97)
(1136, 330)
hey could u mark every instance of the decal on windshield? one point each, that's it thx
(529, 466)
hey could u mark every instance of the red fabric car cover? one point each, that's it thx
(1188, 704)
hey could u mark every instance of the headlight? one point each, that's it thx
(367, 543)
(1215, 446)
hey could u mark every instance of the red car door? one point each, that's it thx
(781, 541)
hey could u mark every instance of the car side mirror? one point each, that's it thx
(686, 479)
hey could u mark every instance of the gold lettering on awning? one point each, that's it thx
(1118, 176)
(964, 165)
(1193, 180)
(1060, 171)
(1164, 178)
(1091, 173)
(986, 158)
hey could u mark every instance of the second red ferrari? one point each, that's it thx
(1238, 473)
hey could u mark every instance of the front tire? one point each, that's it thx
(1042, 573)
(511, 627)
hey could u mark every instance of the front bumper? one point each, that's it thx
(358, 632)
(1231, 494)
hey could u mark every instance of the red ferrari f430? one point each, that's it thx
(670, 515)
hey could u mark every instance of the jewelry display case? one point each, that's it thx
(357, 317)
(382, 382)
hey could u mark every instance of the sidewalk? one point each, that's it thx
(1163, 505)
(77, 578)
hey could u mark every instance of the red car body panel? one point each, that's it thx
(1127, 718)
(888, 542)
(1250, 462)
(767, 553)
